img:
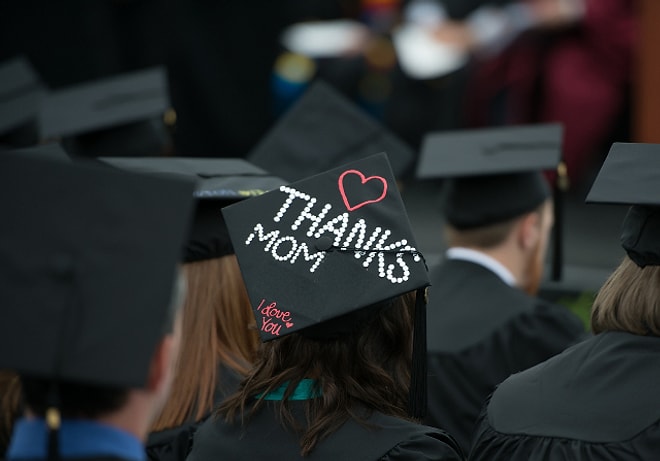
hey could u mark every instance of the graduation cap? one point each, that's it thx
(630, 175)
(52, 151)
(121, 115)
(21, 92)
(317, 251)
(219, 182)
(495, 174)
(88, 259)
(324, 130)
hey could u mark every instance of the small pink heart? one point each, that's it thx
(289, 324)
(363, 180)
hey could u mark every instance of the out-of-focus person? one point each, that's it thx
(332, 295)
(596, 400)
(484, 321)
(91, 294)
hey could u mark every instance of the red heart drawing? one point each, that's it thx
(289, 324)
(364, 180)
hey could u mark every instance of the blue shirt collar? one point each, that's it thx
(77, 439)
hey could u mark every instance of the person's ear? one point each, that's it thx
(529, 231)
(162, 360)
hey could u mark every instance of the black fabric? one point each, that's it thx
(597, 400)
(219, 182)
(21, 93)
(639, 235)
(477, 201)
(209, 237)
(263, 437)
(480, 331)
(175, 444)
(91, 458)
(324, 130)
(629, 176)
(490, 151)
(89, 258)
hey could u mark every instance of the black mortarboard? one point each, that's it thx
(325, 247)
(52, 151)
(121, 115)
(495, 174)
(88, 258)
(219, 182)
(324, 130)
(21, 93)
(631, 175)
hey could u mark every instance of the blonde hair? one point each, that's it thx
(629, 301)
(218, 328)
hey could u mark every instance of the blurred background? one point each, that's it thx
(416, 66)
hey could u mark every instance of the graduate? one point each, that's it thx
(219, 338)
(597, 400)
(337, 289)
(90, 299)
(484, 321)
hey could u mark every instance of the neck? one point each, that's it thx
(509, 257)
(135, 417)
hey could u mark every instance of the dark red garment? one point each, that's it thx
(579, 76)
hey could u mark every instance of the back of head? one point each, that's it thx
(362, 369)
(219, 339)
(219, 333)
(629, 301)
(87, 278)
(325, 262)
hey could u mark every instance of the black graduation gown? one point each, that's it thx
(174, 444)
(480, 331)
(598, 400)
(264, 438)
(89, 458)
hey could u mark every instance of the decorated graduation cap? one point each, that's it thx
(630, 175)
(324, 130)
(88, 260)
(120, 115)
(21, 92)
(219, 182)
(316, 252)
(495, 174)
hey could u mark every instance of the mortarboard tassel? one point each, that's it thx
(418, 383)
(53, 422)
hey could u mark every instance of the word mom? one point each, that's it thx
(343, 233)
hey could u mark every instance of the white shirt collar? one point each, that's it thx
(490, 263)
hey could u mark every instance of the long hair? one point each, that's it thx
(367, 369)
(629, 301)
(218, 328)
(10, 406)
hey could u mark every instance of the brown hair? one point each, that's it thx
(10, 403)
(218, 328)
(629, 301)
(368, 368)
(488, 236)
